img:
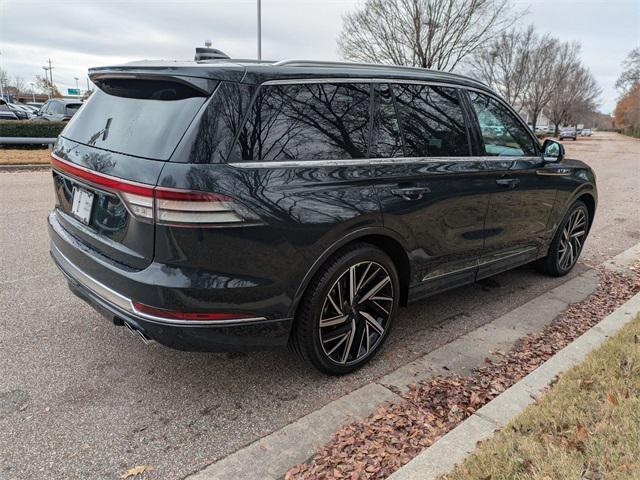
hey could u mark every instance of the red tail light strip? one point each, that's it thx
(193, 316)
(102, 178)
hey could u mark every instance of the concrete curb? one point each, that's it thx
(25, 166)
(456, 445)
(270, 457)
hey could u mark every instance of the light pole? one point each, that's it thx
(259, 30)
(33, 93)
(46, 78)
(77, 87)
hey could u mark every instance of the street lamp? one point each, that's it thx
(33, 93)
(77, 87)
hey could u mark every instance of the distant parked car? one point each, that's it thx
(36, 105)
(6, 112)
(22, 112)
(59, 110)
(586, 132)
(568, 132)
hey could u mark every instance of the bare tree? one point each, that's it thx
(504, 63)
(19, 84)
(631, 71)
(540, 77)
(575, 90)
(435, 34)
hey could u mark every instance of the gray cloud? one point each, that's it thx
(78, 34)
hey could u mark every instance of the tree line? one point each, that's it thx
(627, 112)
(536, 73)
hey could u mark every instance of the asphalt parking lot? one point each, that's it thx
(81, 398)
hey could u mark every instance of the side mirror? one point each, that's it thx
(552, 151)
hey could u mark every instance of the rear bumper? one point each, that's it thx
(212, 336)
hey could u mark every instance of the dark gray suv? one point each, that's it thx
(225, 205)
(59, 109)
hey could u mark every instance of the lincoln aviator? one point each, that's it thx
(220, 205)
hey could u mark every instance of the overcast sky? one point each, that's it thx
(78, 34)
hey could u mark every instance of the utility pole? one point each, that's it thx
(46, 80)
(51, 77)
(259, 30)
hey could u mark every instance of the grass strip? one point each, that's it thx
(586, 427)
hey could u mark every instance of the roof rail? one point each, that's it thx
(321, 63)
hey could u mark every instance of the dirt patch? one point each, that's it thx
(19, 156)
(381, 443)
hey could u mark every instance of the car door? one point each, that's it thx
(432, 191)
(522, 198)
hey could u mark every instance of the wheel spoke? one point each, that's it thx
(372, 322)
(342, 338)
(333, 304)
(380, 307)
(328, 322)
(375, 289)
(364, 275)
(347, 349)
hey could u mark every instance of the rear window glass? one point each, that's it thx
(306, 122)
(73, 106)
(141, 127)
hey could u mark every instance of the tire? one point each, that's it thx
(328, 323)
(555, 264)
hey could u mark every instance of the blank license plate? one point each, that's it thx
(82, 203)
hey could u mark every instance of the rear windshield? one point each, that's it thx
(133, 126)
(73, 106)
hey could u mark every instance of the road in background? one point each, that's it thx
(80, 398)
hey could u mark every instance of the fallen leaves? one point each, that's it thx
(135, 471)
(376, 446)
(612, 399)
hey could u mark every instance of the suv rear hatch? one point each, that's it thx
(108, 159)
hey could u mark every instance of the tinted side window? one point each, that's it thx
(432, 120)
(386, 140)
(58, 108)
(502, 133)
(221, 122)
(306, 122)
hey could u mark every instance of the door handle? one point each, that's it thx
(410, 193)
(508, 182)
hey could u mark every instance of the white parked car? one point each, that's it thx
(586, 132)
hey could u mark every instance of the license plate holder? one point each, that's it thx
(82, 204)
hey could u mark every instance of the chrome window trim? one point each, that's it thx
(111, 296)
(370, 80)
(354, 162)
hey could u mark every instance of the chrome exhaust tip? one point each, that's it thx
(137, 333)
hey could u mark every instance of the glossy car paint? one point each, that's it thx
(464, 226)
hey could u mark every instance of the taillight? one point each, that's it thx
(189, 207)
(167, 206)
